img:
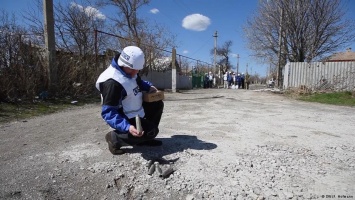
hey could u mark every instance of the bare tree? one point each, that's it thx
(75, 25)
(33, 17)
(155, 39)
(21, 74)
(127, 21)
(76, 42)
(309, 30)
(223, 52)
(151, 37)
(185, 64)
(9, 40)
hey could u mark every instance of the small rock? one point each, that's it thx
(289, 195)
(260, 198)
(190, 197)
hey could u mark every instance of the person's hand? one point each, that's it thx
(152, 89)
(133, 131)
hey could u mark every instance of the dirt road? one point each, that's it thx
(222, 144)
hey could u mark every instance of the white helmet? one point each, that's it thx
(131, 57)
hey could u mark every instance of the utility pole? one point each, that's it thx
(237, 63)
(279, 69)
(50, 45)
(215, 48)
(215, 54)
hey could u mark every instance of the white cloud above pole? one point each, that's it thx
(196, 22)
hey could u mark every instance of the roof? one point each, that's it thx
(348, 55)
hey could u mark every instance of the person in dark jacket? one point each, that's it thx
(205, 81)
(121, 92)
(210, 80)
(242, 80)
(239, 81)
(230, 80)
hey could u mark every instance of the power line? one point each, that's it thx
(183, 6)
(168, 16)
(168, 51)
(205, 43)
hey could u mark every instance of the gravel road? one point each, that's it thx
(221, 144)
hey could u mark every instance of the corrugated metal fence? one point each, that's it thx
(318, 76)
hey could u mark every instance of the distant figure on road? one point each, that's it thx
(205, 80)
(121, 91)
(247, 81)
(271, 83)
(234, 79)
(225, 80)
(230, 79)
(239, 81)
(210, 80)
(242, 79)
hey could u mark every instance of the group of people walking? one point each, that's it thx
(230, 80)
(239, 81)
(209, 80)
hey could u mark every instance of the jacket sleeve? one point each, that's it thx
(146, 85)
(112, 95)
(143, 85)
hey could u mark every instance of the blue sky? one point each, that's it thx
(194, 22)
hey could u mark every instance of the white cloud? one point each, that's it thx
(185, 52)
(89, 11)
(196, 22)
(234, 55)
(75, 5)
(154, 11)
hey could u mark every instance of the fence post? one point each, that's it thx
(173, 71)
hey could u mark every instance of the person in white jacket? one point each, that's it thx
(121, 91)
(225, 80)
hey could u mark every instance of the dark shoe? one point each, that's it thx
(152, 143)
(113, 143)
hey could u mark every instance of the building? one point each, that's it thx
(347, 56)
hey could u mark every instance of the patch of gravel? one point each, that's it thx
(221, 144)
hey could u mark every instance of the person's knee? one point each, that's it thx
(159, 106)
(153, 108)
(151, 134)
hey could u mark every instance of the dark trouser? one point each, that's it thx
(150, 122)
(153, 111)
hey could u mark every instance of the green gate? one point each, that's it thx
(197, 81)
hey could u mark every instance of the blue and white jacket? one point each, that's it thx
(121, 96)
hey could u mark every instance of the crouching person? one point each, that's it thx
(121, 90)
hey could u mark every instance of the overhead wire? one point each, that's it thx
(183, 5)
(187, 10)
(168, 51)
